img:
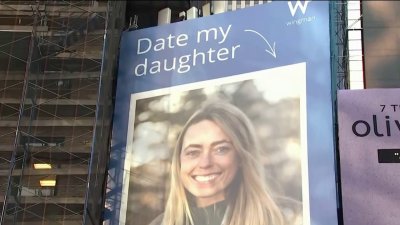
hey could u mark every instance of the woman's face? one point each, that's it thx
(209, 162)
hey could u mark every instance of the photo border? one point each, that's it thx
(276, 71)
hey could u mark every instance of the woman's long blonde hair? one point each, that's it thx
(251, 203)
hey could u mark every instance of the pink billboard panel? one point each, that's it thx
(369, 143)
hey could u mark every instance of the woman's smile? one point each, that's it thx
(206, 178)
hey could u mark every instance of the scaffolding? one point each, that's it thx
(339, 43)
(57, 61)
(340, 76)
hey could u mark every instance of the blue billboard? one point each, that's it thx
(229, 115)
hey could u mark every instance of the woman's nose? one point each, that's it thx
(205, 160)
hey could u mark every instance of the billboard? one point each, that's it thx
(369, 144)
(222, 116)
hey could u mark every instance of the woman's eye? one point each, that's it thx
(222, 149)
(192, 153)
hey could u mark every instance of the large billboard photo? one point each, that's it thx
(225, 120)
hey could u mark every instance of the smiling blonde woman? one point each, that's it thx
(216, 176)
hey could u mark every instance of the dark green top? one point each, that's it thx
(210, 215)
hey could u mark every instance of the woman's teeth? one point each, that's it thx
(205, 178)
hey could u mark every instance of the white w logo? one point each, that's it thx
(293, 9)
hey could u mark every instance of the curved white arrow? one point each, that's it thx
(272, 50)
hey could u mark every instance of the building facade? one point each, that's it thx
(57, 61)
